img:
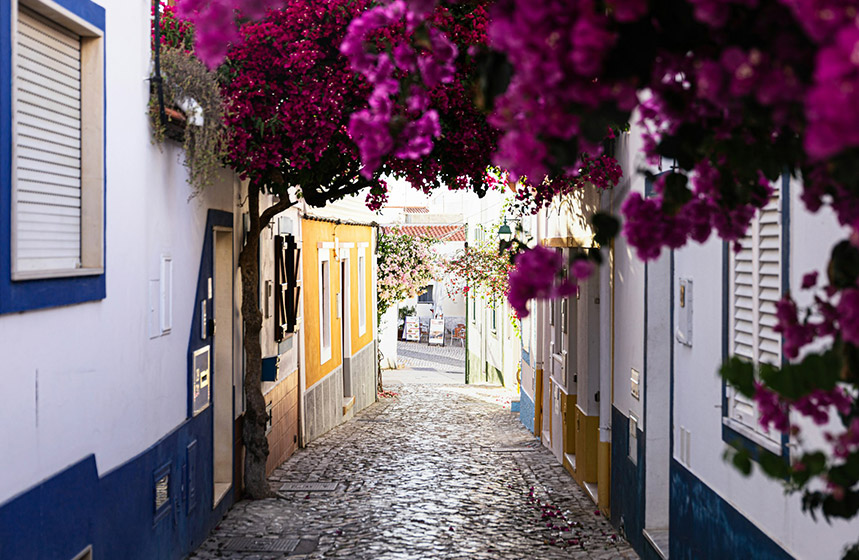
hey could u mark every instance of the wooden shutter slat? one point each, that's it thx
(47, 28)
(37, 176)
(26, 84)
(33, 127)
(28, 55)
(31, 99)
(55, 157)
(50, 168)
(38, 144)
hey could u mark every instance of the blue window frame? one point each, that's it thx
(38, 293)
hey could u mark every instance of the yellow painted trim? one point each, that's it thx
(538, 404)
(587, 437)
(604, 477)
(566, 242)
(347, 406)
(568, 409)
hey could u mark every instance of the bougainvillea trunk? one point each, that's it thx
(253, 433)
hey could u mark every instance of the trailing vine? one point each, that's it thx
(195, 112)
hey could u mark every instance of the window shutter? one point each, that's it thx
(756, 287)
(47, 205)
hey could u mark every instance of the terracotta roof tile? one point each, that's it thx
(442, 233)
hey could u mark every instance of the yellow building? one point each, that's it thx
(340, 362)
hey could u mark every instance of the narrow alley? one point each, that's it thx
(438, 470)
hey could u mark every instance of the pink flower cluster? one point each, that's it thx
(817, 405)
(399, 119)
(539, 274)
(215, 23)
(603, 172)
(558, 50)
(648, 226)
(846, 443)
(377, 196)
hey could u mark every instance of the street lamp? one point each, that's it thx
(504, 232)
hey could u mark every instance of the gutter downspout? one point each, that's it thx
(467, 327)
(538, 353)
(157, 79)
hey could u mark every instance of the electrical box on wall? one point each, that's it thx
(269, 368)
(684, 311)
(200, 371)
(634, 383)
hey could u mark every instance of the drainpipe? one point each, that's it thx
(467, 328)
(157, 79)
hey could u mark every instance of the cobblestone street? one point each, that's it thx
(437, 472)
(421, 355)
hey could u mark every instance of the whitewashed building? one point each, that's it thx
(121, 369)
(621, 383)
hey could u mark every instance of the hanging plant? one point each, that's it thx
(194, 108)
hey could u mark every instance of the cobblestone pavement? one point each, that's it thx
(437, 472)
(420, 355)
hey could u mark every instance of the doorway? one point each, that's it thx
(222, 375)
(345, 327)
(657, 401)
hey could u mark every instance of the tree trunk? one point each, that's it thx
(256, 443)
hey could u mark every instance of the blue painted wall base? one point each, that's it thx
(526, 410)
(115, 513)
(627, 487)
(704, 526)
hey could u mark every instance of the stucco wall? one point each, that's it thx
(313, 233)
(88, 379)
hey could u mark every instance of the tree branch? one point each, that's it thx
(275, 209)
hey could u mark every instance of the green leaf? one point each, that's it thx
(845, 508)
(742, 462)
(740, 374)
(844, 265)
(773, 465)
(815, 371)
(851, 553)
(606, 227)
(675, 193)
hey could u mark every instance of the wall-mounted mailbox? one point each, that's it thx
(201, 372)
(684, 310)
(269, 368)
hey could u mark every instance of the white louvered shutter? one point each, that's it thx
(48, 146)
(756, 287)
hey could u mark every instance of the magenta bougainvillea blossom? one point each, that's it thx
(290, 94)
(540, 273)
(217, 26)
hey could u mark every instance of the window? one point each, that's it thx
(324, 306)
(57, 200)
(755, 287)
(426, 297)
(362, 292)
(473, 307)
(56, 194)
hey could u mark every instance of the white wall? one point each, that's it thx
(87, 378)
(697, 395)
(628, 290)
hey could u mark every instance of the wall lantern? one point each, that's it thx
(504, 232)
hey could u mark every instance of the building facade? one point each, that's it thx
(621, 382)
(120, 298)
(338, 281)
